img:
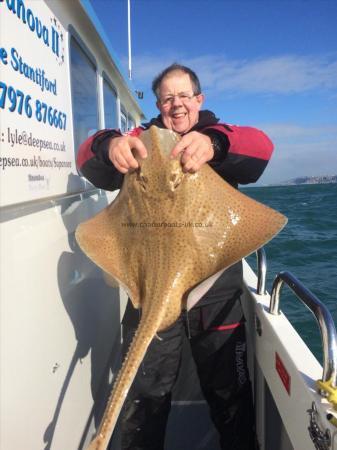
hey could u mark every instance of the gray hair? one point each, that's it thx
(176, 68)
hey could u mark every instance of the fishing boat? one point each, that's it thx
(60, 341)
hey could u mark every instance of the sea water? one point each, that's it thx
(307, 247)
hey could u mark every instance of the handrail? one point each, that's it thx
(322, 315)
(261, 271)
(10, 212)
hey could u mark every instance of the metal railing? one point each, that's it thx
(261, 271)
(10, 212)
(321, 314)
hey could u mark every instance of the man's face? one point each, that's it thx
(178, 105)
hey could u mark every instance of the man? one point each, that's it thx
(216, 324)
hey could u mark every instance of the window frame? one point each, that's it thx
(111, 85)
(74, 36)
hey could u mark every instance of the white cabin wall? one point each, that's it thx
(60, 323)
(60, 326)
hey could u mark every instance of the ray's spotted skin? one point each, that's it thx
(166, 232)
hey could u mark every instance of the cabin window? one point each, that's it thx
(131, 123)
(84, 94)
(124, 122)
(110, 106)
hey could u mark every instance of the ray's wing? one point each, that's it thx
(105, 240)
(239, 225)
(236, 226)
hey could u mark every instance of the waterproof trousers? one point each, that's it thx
(217, 337)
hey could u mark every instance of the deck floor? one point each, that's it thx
(189, 425)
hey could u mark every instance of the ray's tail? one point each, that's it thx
(142, 339)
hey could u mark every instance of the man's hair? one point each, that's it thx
(176, 68)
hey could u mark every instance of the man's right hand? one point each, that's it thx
(122, 152)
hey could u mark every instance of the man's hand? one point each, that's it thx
(122, 151)
(196, 149)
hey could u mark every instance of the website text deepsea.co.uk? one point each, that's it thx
(35, 161)
(15, 138)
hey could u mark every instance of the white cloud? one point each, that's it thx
(301, 151)
(274, 75)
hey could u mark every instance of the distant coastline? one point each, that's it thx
(323, 179)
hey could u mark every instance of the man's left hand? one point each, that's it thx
(196, 149)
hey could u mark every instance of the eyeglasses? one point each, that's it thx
(184, 97)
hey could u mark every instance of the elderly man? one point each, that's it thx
(215, 325)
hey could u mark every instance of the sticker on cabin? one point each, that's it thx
(36, 146)
(282, 372)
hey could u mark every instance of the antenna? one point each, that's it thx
(129, 39)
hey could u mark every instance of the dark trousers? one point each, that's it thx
(218, 345)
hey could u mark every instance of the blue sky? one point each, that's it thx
(270, 64)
